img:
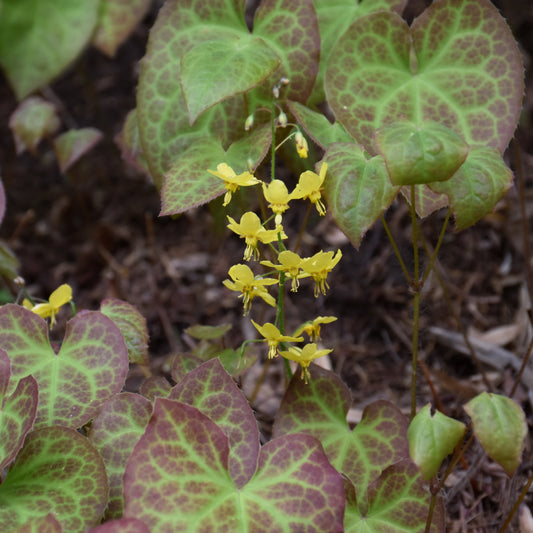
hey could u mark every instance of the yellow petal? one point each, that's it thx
(61, 296)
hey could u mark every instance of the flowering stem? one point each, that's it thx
(273, 147)
(437, 248)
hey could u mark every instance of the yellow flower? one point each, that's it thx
(301, 144)
(304, 356)
(246, 283)
(319, 266)
(61, 296)
(290, 264)
(273, 336)
(232, 181)
(312, 329)
(277, 195)
(310, 186)
(251, 229)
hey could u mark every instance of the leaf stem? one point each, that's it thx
(517, 504)
(416, 300)
(396, 251)
(437, 247)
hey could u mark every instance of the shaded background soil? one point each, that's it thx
(98, 230)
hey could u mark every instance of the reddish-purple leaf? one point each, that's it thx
(73, 144)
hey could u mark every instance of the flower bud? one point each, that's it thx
(249, 122)
(301, 144)
(282, 119)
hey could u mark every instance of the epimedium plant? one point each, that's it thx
(424, 112)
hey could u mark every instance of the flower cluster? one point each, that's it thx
(61, 296)
(289, 264)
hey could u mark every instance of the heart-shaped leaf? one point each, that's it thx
(116, 20)
(477, 186)
(132, 325)
(431, 438)
(17, 412)
(500, 425)
(357, 188)
(57, 471)
(458, 65)
(211, 389)
(215, 70)
(319, 409)
(397, 502)
(177, 477)
(334, 18)
(420, 154)
(90, 367)
(114, 432)
(39, 39)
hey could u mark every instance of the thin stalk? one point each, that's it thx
(273, 149)
(522, 368)
(437, 247)
(416, 301)
(460, 327)
(430, 512)
(396, 251)
(517, 503)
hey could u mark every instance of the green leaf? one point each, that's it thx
(39, 39)
(114, 432)
(334, 18)
(357, 188)
(90, 367)
(420, 154)
(318, 127)
(208, 332)
(130, 145)
(73, 144)
(500, 425)
(475, 189)
(116, 20)
(398, 502)
(9, 264)
(458, 65)
(188, 184)
(177, 477)
(131, 324)
(211, 389)
(42, 524)
(215, 70)
(33, 120)
(57, 471)
(427, 201)
(17, 412)
(432, 438)
(319, 409)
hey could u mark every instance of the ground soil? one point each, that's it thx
(98, 229)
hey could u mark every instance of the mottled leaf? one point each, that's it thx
(42, 524)
(427, 201)
(334, 18)
(477, 186)
(155, 386)
(177, 477)
(398, 502)
(90, 367)
(188, 184)
(319, 409)
(33, 120)
(357, 188)
(123, 525)
(500, 425)
(17, 412)
(73, 144)
(420, 154)
(58, 471)
(39, 39)
(114, 432)
(131, 324)
(458, 65)
(211, 389)
(431, 438)
(116, 20)
(215, 70)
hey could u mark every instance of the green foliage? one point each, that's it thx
(425, 111)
